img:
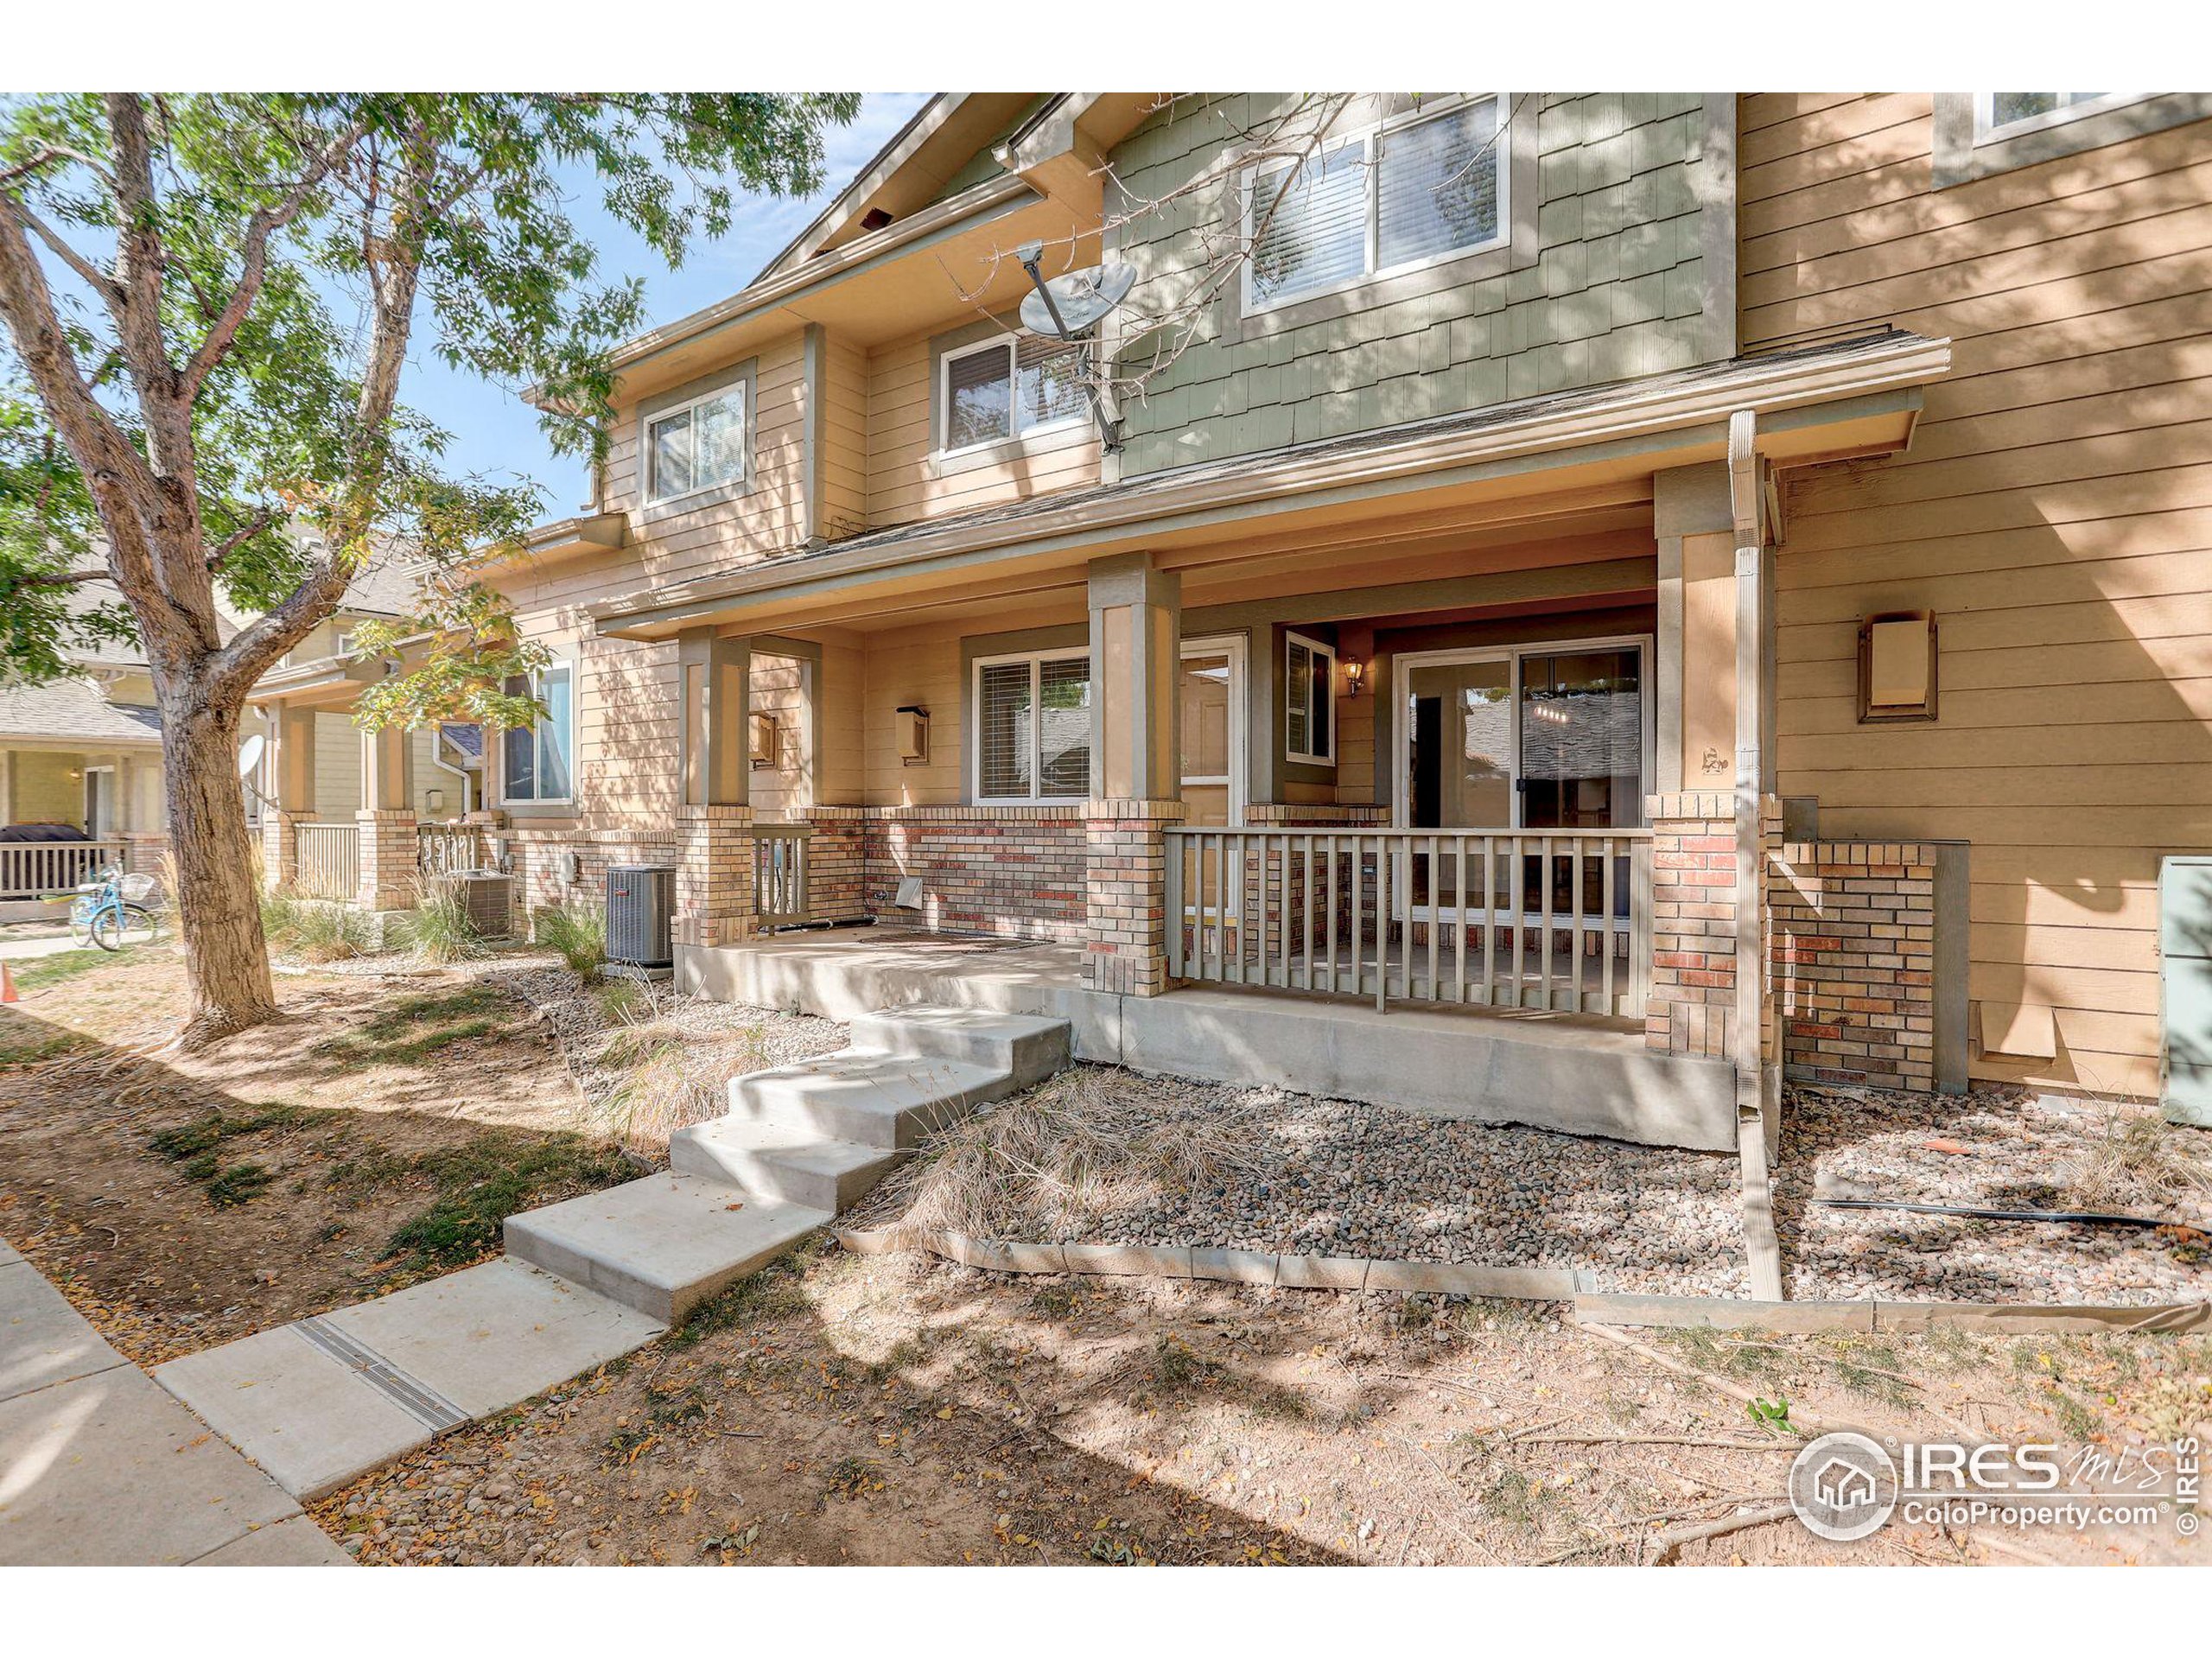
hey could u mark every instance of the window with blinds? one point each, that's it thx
(1427, 184)
(1309, 679)
(1033, 717)
(1005, 387)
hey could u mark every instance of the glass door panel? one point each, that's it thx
(1458, 763)
(1581, 761)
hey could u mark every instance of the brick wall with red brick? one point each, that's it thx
(1854, 954)
(1690, 1007)
(1012, 871)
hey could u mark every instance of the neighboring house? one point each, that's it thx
(1597, 544)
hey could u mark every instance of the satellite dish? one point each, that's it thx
(250, 754)
(1067, 306)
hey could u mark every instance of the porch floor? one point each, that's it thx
(1580, 1073)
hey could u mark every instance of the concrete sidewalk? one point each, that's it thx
(99, 1466)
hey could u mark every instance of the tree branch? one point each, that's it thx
(254, 261)
(253, 526)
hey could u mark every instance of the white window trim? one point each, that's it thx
(714, 395)
(1987, 132)
(1036, 660)
(1015, 432)
(1230, 645)
(569, 799)
(1320, 648)
(1502, 157)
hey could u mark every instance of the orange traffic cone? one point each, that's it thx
(7, 985)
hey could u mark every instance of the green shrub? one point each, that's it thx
(578, 931)
(315, 930)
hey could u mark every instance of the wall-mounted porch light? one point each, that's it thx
(764, 740)
(1354, 672)
(913, 735)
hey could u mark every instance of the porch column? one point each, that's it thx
(288, 781)
(714, 856)
(387, 852)
(1137, 787)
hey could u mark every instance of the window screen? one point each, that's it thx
(1309, 224)
(1050, 374)
(1003, 745)
(1032, 728)
(1436, 185)
(1063, 726)
(977, 400)
(698, 447)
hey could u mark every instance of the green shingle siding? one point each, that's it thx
(1615, 290)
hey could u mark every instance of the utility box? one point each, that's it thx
(2185, 990)
(640, 912)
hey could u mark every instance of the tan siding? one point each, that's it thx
(844, 464)
(919, 666)
(2055, 512)
(906, 481)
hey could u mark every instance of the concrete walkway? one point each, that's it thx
(101, 1466)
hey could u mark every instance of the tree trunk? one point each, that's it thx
(218, 905)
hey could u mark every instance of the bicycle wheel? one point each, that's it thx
(81, 916)
(122, 924)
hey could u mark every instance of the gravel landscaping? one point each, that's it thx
(1997, 1148)
(1259, 1169)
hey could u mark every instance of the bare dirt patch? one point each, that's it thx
(376, 1133)
(902, 1409)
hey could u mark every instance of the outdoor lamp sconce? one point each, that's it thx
(1355, 671)
(913, 736)
(764, 740)
(1897, 668)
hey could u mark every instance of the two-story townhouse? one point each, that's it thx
(1580, 546)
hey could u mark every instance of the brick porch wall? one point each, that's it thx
(836, 862)
(1126, 947)
(1014, 871)
(1855, 953)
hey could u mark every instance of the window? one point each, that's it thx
(1004, 388)
(2002, 114)
(536, 762)
(699, 446)
(1033, 727)
(1309, 680)
(1427, 185)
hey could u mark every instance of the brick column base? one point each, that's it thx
(1854, 949)
(1691, 1004)
(714, 875)
(389, 859)
(1126, 892)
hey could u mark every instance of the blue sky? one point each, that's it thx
(496, 434)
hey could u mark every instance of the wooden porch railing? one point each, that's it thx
(40, 869)
(779, 896)
(1554, 920)
(448, 849)
(329, 860)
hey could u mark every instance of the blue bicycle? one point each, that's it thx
(110, 911)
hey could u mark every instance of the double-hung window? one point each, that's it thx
(696, 445)
(1309, 682)
(536, 762)
(1033, 716)
(1423, 185)
(1007, 388)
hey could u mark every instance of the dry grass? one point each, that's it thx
(2145, 1163)
(675, 1074)
(1049, 1164)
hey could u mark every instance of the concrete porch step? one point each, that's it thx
(781, 1160)
(1029, 1047)
(663, 1244)
(876, 1099)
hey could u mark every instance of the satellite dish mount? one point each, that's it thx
(1068, 307)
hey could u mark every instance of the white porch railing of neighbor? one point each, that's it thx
(329, 860)
(41, 869)
(448, 849)
(779, 873)
(1556, 919)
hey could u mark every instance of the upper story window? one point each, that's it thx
(1032, 727)
(535, 764)
(2000, 115)
(695, 446)
(1425, 185)
(1008, 387)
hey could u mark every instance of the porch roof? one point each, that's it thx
(73, 712)
(1851, 396)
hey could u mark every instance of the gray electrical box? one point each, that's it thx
(2185, 988)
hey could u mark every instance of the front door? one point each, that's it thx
(1212, 711)
(100, 802)
(1534, 738)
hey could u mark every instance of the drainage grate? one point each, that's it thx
(424, 1404)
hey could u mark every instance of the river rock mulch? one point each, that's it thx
(2006, 1148)
(1316, 1177)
